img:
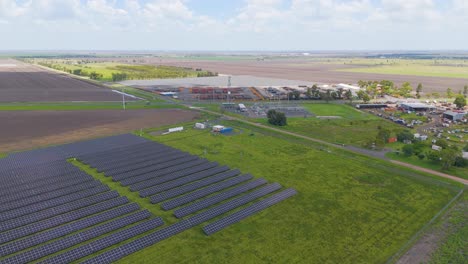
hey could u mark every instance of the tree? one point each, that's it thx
(326, 96)
(362, 84)
(405, 135)
(419, 90)
(309, 93)
(408, 150)
(276, 118)
(465, 90)
(433, 156)
(405, 89)
(77, 72)
(349, 96)
(465, 148)
(460, 101)
(449, 92)
(363, 96)
(448, 157)
(116, 77)
(442, 143)
(94, 75)
(382, 137)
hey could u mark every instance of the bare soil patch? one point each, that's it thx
(322, 73)
(21, 82)
(23, 130)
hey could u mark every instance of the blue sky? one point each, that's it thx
(234, 25)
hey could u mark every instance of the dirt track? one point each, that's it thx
(323, 73)
(21, 82)
(21, 130)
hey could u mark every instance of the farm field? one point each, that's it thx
(31, 129)
(329, 70)
(21, 82)
(351, 127)
(415, 69)
(84, 106)
(349, 208)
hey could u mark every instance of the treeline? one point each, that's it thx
(133, 72)
(93, 75)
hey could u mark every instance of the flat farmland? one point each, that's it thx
(21, 82)
(31, 129)
(317, 71)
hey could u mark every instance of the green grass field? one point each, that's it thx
(353, 127)
(349, 208)
(106, 69)
(416, 69)
(453, 249)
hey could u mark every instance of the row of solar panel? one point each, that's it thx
(47, 196)
(46, 155)
(57, 210)
(77, 238)
(66, 229)
(157, 236)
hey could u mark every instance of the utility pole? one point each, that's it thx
(123, 98)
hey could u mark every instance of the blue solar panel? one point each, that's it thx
(70, 241)
(118, 164)
(47, 196)
(169, 163)
(60, 219)
(193, 186)
(188, 198)
(102, 243)
(159, 235)
(248, 211)
(209, 201)
(171, 176)
(180, 181)
(63, 230)
(48, 213)
(162, 172)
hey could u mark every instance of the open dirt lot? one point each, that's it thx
(21, 82)
(23, 130)
(309, 71)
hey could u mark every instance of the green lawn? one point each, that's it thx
(353, 127)
(349, 208)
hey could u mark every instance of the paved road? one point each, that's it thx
(366, 152)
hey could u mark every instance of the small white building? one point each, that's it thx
(435, 147)
(217, 128)
(200, 126)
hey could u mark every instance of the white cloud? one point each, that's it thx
(281, 23)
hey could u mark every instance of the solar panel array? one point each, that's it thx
(196, 189)
(52, 212)
(53, 206)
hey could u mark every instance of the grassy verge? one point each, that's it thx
(454, 247)
(456, 171)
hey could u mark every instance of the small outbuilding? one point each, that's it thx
(454, 116)
(416, 107)
(218, 128)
